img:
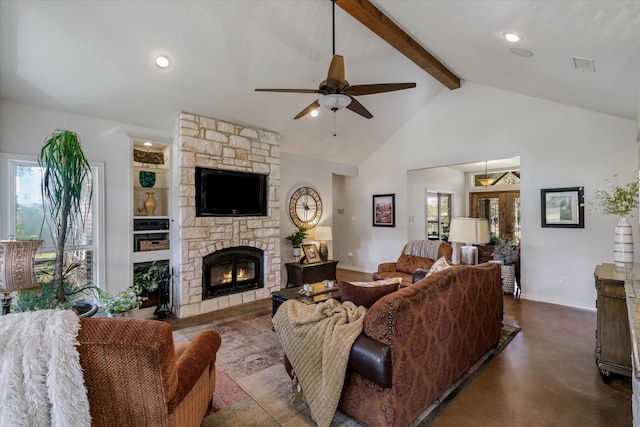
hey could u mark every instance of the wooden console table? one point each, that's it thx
(613, 339)
(299, 274)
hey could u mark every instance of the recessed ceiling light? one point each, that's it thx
(521, 52)
(512, 37)
(148, 144)
(163, 61)
(314, 113)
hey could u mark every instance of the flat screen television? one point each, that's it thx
(230, 193)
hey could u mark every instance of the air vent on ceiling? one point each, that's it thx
(583, 64)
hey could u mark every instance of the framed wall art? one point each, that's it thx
(562, 207)
(311, 253)
(384, 210)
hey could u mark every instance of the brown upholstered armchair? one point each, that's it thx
(407, 264)
(136, 376)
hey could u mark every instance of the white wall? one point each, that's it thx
(297, 171)
(558, 145)
(23, 130)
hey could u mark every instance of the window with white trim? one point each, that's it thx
(25, 217)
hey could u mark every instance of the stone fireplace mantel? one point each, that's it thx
(211, 143)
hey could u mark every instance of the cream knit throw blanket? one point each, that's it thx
(317, 339)
(423, 248)
(41, 382)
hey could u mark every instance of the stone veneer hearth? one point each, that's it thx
(213, 143)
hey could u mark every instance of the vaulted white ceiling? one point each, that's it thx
(95, 58)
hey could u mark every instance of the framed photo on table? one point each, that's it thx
(384, 210)
(562, 207)
(311, 253)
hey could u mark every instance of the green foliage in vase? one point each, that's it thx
(122, 302)
(297, 237)
(148, 279)
(506, 252)
(618, 199)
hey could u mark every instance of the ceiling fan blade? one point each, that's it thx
(289, 90)
(379, 88)
(307, 110)
(335, 77)
(358, 108)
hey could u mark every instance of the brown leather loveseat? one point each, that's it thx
(408, 262)
(136, 376)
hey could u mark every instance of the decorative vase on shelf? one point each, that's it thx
(147, 179)
(150, 204)
(623, 243)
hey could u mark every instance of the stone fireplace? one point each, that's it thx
(232, 270)
(211, 143)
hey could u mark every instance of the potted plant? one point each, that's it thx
(620, 200)
(296, 240)
(508, 253)
(120, 304)
(66, 195)
(148, 278)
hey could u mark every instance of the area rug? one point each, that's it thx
(253, 389)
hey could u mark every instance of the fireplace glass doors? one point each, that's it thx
(232, 270)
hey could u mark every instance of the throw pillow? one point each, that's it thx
(439, 265)
(367, 293)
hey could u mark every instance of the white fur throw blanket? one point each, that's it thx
(317, 339)
(423, 248)
(41, 382)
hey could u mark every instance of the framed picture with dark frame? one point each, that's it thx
(384, 210)
(562, 207)
(311, 253)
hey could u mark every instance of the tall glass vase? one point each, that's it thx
(623, 243)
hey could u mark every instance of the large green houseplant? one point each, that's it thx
(66, 196)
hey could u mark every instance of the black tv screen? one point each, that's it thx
(230, 193)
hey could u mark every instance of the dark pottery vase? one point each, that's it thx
(147, 179)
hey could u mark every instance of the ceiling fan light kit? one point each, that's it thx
(334, 101)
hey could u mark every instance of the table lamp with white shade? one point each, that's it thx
(469, 231)
(323, 234)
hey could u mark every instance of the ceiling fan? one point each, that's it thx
(336, 92)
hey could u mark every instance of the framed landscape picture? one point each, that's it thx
(384, 210)
(562, 207)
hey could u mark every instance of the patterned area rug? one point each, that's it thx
(253, 389)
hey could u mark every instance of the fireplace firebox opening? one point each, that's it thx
(232, 270)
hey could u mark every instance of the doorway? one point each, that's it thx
(501, 209)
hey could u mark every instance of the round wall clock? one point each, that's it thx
(305, 207)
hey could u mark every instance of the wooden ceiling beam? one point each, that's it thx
(372, 18)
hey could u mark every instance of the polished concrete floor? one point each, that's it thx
(545, 377)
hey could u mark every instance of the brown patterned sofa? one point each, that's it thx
(136, 376)
(418, 340)
(407, 263)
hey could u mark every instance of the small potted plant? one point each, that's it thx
(296, 240)
(508, 254)
(148, 279)
(122, 303)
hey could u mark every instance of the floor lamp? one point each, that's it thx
(469, 231)
(16, 268)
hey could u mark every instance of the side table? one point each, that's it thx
(278, 297)
(299, 274)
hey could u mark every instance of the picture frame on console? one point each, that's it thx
(311, 253)
(384, 210)
(562, 207)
